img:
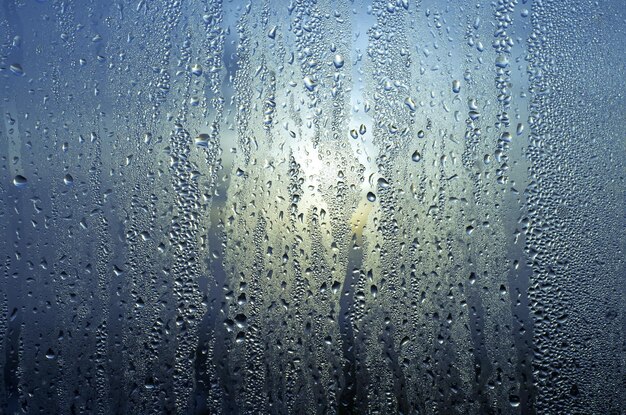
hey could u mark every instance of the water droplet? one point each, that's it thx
(272, 32)
(416, 156)
(420, 134)
(202, 140)
(196, 69)
(374, 290)
(362, 129)
(371, 197)
(472, 278)
(520, 129)
(309, 83)
(68, 180)
(410, 104)
(20, 181)
(514, 401)
(456, 86)
(17, 70)
(354, 134)
(502, 61)
(338, 61)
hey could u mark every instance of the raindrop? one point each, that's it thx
(371, 197)
(416, 156)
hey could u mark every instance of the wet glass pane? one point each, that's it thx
(312, 207)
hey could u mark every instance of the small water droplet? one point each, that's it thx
(68, 180)
(371, 197)
(416, 156)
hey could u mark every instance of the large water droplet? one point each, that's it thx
(309, 83)
(20, 181)
(338, 61)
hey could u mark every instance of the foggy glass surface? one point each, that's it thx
(312, 207)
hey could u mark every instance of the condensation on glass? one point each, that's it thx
(312, 207)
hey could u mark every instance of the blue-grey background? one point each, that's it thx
(299, 207)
